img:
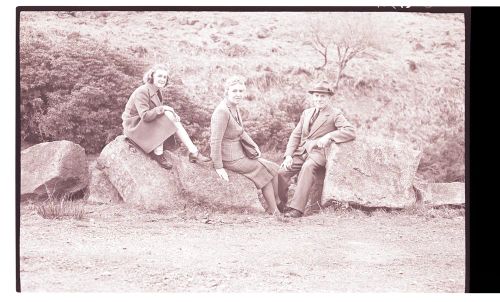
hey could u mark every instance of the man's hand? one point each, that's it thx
(287, 163)
(323, 141)
(222, 174)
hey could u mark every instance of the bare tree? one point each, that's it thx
(350, 35)
(321, 47)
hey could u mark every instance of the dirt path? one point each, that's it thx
(121, 248)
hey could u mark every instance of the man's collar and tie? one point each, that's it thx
(319, 116)
(314, 117)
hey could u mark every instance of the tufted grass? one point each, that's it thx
(63, 207)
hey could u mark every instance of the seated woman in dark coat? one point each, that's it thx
(227, 152)
(147, 122)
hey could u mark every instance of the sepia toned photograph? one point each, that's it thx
(274, 150)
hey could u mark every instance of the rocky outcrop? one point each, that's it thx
(53, 170)
(200, 183)
(140, 180)
(371, 172)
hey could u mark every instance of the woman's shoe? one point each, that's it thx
(198, 157)
(131, 145)
(162, 161)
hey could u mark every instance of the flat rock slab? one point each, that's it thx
(436, 194)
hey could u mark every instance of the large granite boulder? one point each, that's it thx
(53, 170)
(437, 194)
(101, 190)
(140, 180)
(200, 183)
(371, 172)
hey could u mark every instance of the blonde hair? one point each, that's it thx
(148, 76)
(234, 80)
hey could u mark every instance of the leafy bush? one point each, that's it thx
(432, 120)
(272, 130)
(73, 89)
(443, 160)
(194, 116)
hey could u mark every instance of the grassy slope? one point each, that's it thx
(413, 106)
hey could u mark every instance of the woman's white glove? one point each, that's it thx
(159, 110)
(222, 174)
(287, 163)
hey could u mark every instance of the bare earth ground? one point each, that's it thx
(119, 247)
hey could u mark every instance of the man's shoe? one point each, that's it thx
(293, 213)
(198, 157)
(282, 207)
(162, 161)
(131, 145)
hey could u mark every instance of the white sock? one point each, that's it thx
(158, 150)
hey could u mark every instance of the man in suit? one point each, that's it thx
(306, 151)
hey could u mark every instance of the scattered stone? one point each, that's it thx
(227, 22)
(187, 21)
(418, 46)
(263, 33)
(412, 65)
(215, 38)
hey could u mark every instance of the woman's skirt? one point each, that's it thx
(260, 171)
(148, 135)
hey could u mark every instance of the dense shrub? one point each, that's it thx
(272, 129)
(433, 121)
(443, 159)
(195, 117)
(73, 89)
